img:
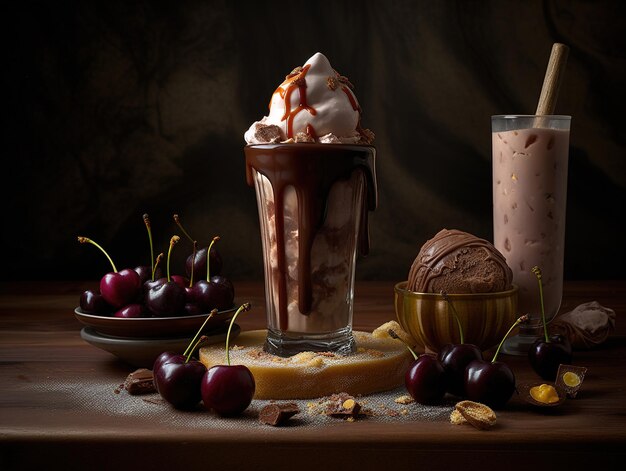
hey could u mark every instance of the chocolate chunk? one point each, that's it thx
(267, 133)
(345, 409)
(140, 382)
(278, 414)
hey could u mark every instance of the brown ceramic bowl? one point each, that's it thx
(485, 317)
(152, 327)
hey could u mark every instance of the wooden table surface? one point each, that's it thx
(39, 339)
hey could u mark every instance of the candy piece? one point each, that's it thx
(544, 393)
(277, 414)
(570, 378)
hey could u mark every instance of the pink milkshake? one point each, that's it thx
(529, 202)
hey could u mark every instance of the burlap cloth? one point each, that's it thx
(107, 398)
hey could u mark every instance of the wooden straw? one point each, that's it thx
(552, 80)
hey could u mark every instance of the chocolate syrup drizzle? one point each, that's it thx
(311, 169)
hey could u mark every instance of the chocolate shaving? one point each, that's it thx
(277, 414)
(140, 381)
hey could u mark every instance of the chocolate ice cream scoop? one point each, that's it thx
(456, 262)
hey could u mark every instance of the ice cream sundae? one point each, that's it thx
(313, 170)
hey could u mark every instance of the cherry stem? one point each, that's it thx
(524, 318)
(180, 226)
(173, 241)
(243, 307)
(537, 271)
(202, 339)
(193, 260)
(392, 334)
(156, 264)
(208, 258)
(213, 312)
(456, 316)
(146, 221)
(86, 240)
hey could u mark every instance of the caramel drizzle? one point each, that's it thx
(352, 98)
(286, 89)
(298, 81)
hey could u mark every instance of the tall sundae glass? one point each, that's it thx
(313, 170)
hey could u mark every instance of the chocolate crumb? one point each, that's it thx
(367, 136)
(303, 137)
(275, 414)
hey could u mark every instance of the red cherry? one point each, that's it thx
(177, 378)
(426, 380)
(117, 288)
(226, 389)
(547, 353)
(491, 383)
(132, 311)
(121, 288)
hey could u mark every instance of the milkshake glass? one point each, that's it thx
(530, 157)
(313, 201)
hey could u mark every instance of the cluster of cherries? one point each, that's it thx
(184, 382)
(460, 369)
(144, 292)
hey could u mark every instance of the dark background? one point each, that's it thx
(119, 108)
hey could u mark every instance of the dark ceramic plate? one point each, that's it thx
(142, 352)
(152, 327)
(524, 391)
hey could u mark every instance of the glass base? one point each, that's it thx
(518, 344)
(284, 344)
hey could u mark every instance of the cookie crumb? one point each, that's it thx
(404, 400)
(456, 418)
